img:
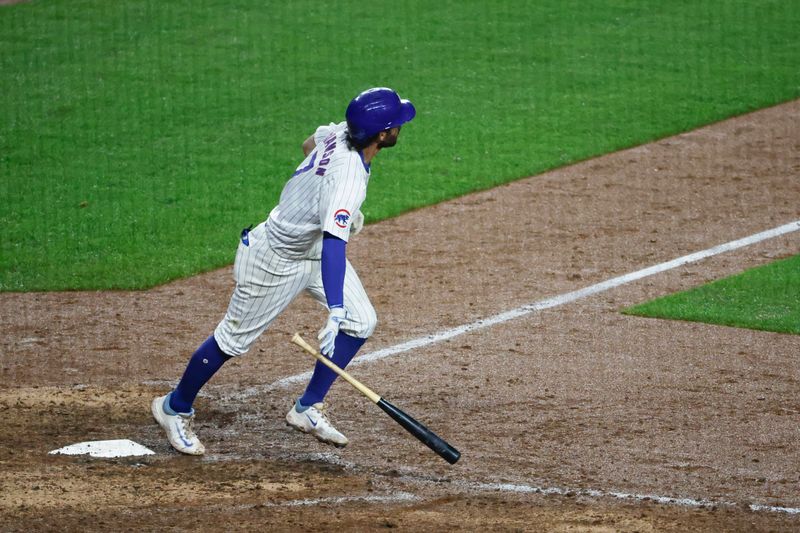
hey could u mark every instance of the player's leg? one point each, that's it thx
(256, 304)
(265, 285)
(203, 364)
(307, 414)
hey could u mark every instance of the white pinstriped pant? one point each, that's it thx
(267, 283)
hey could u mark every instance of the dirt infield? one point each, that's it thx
(571, 418)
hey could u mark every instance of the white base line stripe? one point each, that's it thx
(542, 304)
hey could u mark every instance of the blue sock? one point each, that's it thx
(345, 348)
(204, 363)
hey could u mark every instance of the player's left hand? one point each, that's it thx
(327, 335)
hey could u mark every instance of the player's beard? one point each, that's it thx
(388, 141)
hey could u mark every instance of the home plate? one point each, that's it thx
(105, 448)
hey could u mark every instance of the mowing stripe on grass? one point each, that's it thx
(547, 303)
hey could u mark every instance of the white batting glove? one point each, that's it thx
(357, 224)
(327, 335)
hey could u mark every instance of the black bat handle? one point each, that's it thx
(425, 435)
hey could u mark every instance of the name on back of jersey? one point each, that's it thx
(329, 145)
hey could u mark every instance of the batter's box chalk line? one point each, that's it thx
(527, 309)
(395, 497)
(597, 494)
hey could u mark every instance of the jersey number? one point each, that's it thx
(309, 166)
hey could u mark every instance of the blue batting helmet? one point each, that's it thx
(376, 110)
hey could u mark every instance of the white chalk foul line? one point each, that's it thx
(547, 303)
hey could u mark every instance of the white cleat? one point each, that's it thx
(178, 428)
(314, 421)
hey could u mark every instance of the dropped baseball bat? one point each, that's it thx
(425, 435)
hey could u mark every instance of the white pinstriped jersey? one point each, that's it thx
(324, 193)
(280, 257)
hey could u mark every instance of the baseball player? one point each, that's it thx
(301, 246)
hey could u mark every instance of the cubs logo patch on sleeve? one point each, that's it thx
(342, 218)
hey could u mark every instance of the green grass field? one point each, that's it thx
(137, 137)
(765, 298)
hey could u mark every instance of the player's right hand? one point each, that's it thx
(327, 335)
(357, 223)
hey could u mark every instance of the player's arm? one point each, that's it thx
(315, 138)
(334, 264)
(338, 199)
(309, 145)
